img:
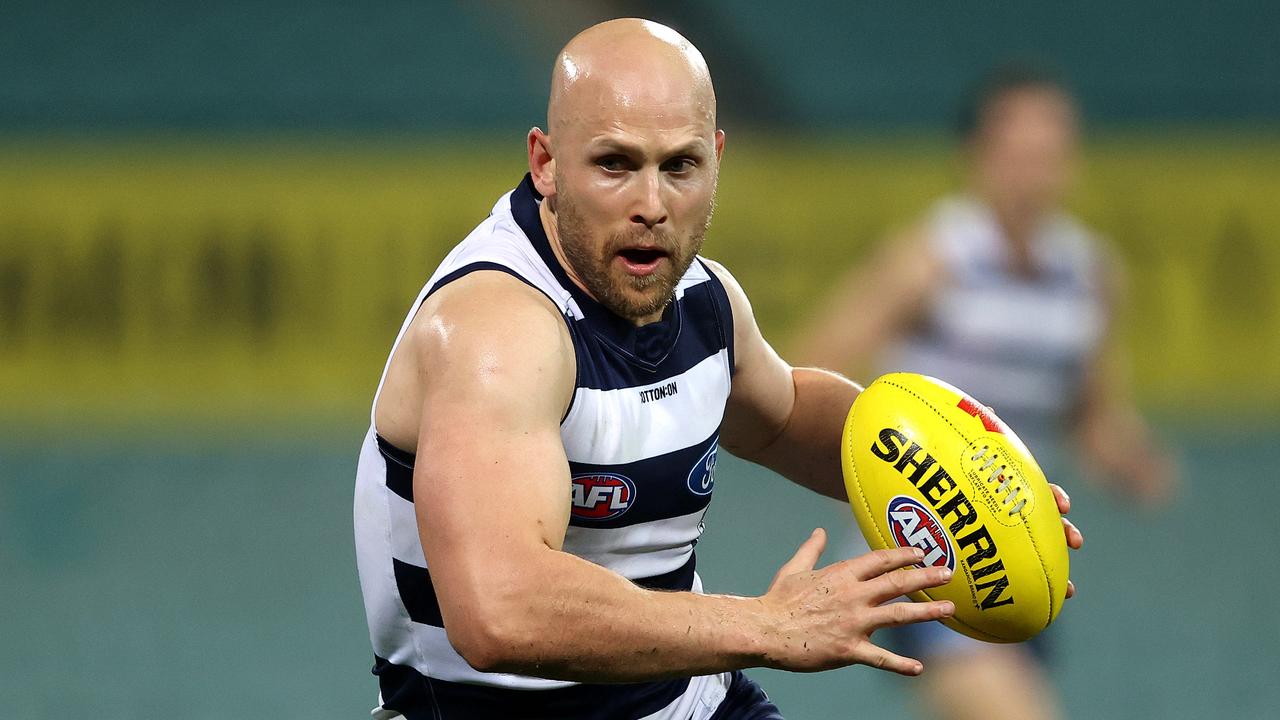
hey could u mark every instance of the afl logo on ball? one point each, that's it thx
(602, 496)
(913, 525)
(701, 480)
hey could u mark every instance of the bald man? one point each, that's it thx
(543, 440)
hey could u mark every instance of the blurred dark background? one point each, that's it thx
(213, 217)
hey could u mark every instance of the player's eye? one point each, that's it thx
(613, 163)
(678, 165)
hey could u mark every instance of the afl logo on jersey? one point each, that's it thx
(701, 478)
(602, 496)
(913, 525)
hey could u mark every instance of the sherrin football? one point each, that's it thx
(928, 466)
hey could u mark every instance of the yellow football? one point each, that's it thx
(930, 467)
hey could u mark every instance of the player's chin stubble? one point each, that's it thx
(624, 294)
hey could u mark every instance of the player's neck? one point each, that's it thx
(1018, 226)
(549, 226)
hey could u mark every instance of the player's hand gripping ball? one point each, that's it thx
(928, 466)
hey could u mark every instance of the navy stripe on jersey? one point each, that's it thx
(602, 365)
(663, 485)
(399, 469)
(419, 594)
(723, 312)
(418, 697)
(474, 267)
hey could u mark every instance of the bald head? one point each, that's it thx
(629, 168)
(629, 64)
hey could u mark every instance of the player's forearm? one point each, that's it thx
(568, 619)
(807, 450)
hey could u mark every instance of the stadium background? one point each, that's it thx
(213, 216)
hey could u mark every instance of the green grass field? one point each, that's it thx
(191, 578)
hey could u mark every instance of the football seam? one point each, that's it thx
(1025, 526)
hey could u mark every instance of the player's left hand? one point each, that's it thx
(1075, 538)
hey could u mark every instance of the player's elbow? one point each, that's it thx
(494, 638)
(482, 648)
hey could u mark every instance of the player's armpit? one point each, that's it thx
(787, 419)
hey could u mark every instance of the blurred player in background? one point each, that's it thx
(1000, 292)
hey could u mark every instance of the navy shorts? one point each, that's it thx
(745, 701)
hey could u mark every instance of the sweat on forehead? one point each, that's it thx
(629, 64)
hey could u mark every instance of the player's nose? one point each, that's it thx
(648, 207)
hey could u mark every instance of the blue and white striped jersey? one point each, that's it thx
(1018, 344)
(641, 438)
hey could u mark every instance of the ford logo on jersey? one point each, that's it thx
(701, 479)
(601, 496)
(914, 526)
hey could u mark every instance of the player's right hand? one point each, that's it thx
(824, 618)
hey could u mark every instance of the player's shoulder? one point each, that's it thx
(1085, 252)
(1075, 233)
(732, 288)
(489, 313)
(959, 211)
(497, 241)
(714, 268)
(959, 229)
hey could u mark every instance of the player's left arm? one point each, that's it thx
(787, 419)
(1114, 437)
(791, 420)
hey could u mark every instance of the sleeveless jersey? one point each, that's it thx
(1019, 344)
(641, 438)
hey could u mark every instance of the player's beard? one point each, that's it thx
(597, 270)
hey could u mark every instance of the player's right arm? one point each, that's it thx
(492, 493)
(871, 305)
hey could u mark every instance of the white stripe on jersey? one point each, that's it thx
(592, 433)
(406, 545)
(1054, 324)
(387, 617)
(638, 551)
(998, 385)
(699, 702)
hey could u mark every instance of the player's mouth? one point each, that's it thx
(642, 259)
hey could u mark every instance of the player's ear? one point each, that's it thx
(719, 145)
(542, 167)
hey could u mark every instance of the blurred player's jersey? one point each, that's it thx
(641, 439)
(1020, 344)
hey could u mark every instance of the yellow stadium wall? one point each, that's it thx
(263, 281)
